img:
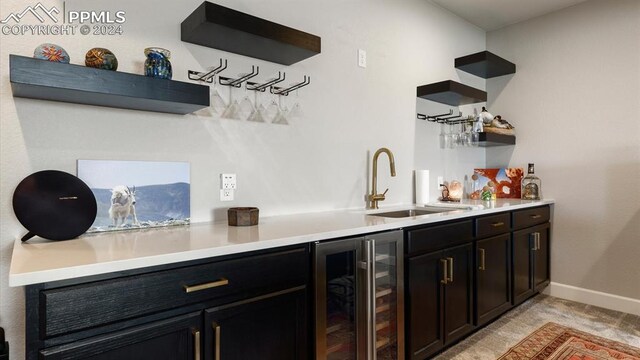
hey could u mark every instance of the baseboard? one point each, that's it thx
(596, 298)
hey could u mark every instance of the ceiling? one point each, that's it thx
(495, 14)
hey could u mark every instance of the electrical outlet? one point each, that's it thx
(228, 181)
(362, 58)
(226, 195)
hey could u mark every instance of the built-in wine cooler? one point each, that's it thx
(359, 298)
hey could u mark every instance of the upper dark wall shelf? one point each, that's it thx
(451, 93)
(485, 64)
(226, 29)
(46, 80)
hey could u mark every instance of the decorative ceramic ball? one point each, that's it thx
(101, 58)
(51, 52)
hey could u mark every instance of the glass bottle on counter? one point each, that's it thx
(531, 185)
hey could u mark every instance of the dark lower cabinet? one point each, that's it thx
(425, 335)
(177, 338)
(541, 270)
(458, 293)
(267, 328)
(252, 306)
(440, 301)
(493, 277)
(530, 261)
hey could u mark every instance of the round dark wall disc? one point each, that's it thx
(54, 205)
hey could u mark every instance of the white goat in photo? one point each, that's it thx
(123, 201)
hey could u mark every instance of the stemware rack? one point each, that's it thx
(447, 118)
(209, 77)
(485, 139)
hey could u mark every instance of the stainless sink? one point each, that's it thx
(412, 212)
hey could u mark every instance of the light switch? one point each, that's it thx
(362, 58)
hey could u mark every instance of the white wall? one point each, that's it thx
(318, 162)
(575, 101)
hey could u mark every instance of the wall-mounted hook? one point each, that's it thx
(285, 92)
(209, 75)
(262, 87)
(445, 119)
(434, 117)
(255, 70)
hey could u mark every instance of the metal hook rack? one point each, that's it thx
(262, 87)
(255, 70)
(208, 76)
(446, 118)
(285, 92)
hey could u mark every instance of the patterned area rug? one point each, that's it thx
(557, 342)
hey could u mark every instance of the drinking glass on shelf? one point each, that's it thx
(272, 110)
(475, 138)
(296, 109)
(442, 137)
(232, 111)
(448, 136)
(217, 103)
(245, 107)
(455, 136)
(259, 110)
(465, 139)
(281, 115)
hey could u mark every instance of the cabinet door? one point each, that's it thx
(493, 274)
(178, 338)
(523, 245)
(424, 304)
(541, 254)
(458, 293)
(271, 327)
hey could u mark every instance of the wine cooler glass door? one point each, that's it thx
(336, 299)
(388, 304)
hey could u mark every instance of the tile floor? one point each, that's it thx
(495, 339)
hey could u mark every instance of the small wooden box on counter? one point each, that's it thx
(243, 216)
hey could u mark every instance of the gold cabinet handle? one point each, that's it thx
(497, 224)
(196, 345)
(450, 260)
(216, 346)
(537, 241)
(209, 285)
(445, 271)
(482, 259)
(536, 216)
(532, 236)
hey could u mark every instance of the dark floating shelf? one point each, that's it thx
(226, 29)
(451, 93)
(485, 65)
(492, 139)
(46, 80)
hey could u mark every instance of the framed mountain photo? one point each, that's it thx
(138, 194)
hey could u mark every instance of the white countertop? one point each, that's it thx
(40, 260)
